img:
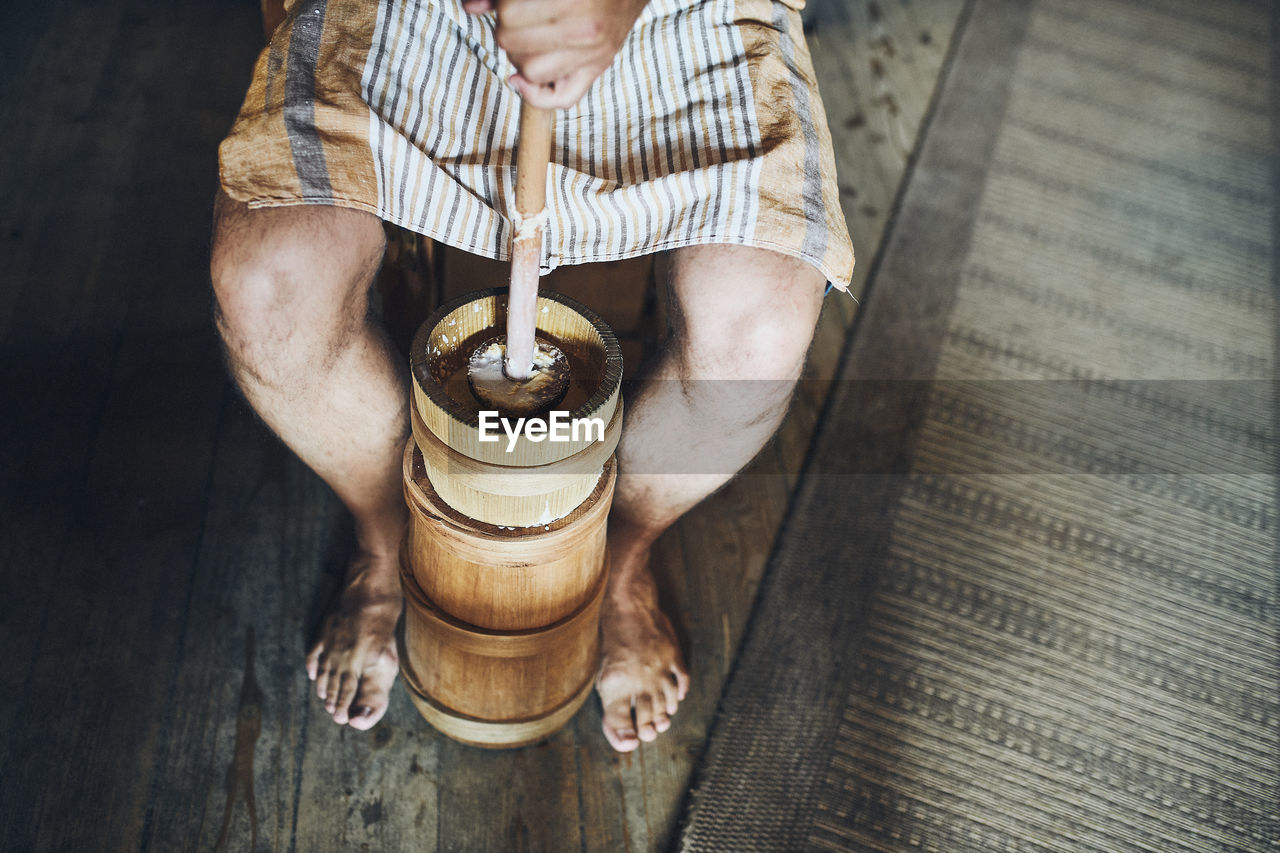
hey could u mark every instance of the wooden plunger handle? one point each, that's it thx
(533, 153)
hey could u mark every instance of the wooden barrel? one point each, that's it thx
(447, 409)
(501, 638)
(497, 689)
(503, 566)
(503, 578)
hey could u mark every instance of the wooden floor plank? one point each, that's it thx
(518, 800)
(240, 703)
(376, 790)
(59, 55)
(139, 498)
(116, 429)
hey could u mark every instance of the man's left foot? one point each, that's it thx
(354, 663)
(642, 677)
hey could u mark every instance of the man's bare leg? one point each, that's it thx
(292, 307)
(742, 322)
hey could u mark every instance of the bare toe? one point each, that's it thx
(313, 660)
(322, 679)
(346, 692)
(366, 716)
(332, 687)
(619, 729)
(682, 682)
(644, 719)
(661, 721)
(363, 717)
(670, 695)
(370, 701)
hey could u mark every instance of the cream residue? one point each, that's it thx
(528, 227)
(492, 385)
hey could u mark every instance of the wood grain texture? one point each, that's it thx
(533, 155)
(151, 525)
(498, 577)
(497, 689)
(510, 495)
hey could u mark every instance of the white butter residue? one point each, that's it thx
(528, 227)
(544, 387)
(487, 373)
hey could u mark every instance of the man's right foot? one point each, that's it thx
(354, 662)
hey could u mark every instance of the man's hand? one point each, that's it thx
(559, 47)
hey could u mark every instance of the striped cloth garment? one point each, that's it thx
(707, 128)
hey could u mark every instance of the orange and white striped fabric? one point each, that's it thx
(707, 128)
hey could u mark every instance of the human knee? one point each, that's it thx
(277, 305)
(761, 331)
(251, 312)
(771, 347)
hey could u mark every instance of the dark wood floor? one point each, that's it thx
(165, 558)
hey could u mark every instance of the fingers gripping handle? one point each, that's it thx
(533, 153)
